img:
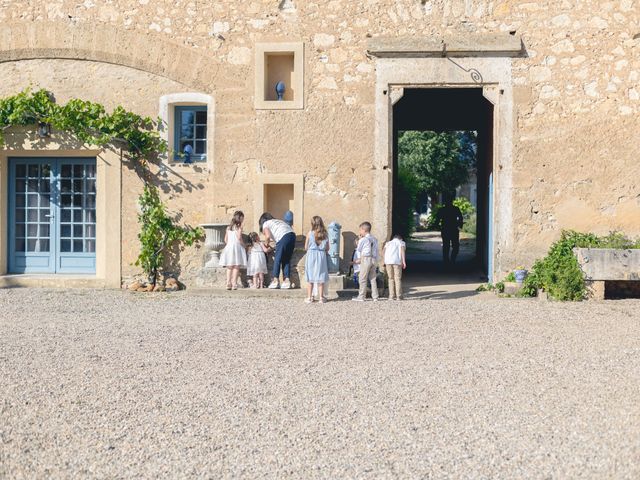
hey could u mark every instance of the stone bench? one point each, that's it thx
(602, 265)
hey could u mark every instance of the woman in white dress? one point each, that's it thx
(234, 255)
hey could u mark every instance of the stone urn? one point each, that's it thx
(213, 243)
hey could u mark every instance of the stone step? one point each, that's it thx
(293, 293)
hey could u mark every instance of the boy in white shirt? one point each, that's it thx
(394, 253)
(368, 260)
(355, 265)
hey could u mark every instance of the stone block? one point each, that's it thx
(609, 263)
(407, 46)
(512, 288)
(478, 43)
(595, 290)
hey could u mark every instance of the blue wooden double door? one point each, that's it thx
(52, 215)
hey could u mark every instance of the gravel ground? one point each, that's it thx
(113, 385)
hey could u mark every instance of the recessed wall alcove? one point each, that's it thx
(277, 193)
(279, 62)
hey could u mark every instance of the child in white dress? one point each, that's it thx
(234, 255)
(257, 260)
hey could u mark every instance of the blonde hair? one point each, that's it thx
(319, 231)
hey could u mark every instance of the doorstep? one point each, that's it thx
(50, 281)
(295, 293)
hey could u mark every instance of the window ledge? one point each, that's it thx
(279, 105)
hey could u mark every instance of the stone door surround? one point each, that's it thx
(463, 61)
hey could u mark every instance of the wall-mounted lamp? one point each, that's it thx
(44, 130)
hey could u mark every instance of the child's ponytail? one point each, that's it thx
(236, 220)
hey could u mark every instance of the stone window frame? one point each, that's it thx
(262, 50)
(167, 116)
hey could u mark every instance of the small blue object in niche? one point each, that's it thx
(288, 218)
(187, 151)
(280, 89)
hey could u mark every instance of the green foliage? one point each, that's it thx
(531, 284)
(405, 200)
(88, 121)
(613, 240)
(440, 161)
(471, 224)
(510, 278)
(490, 287)
(158, 233)
(559, 272)
(465, 206)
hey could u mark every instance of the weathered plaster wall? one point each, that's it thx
(111, 85)
(576, 98)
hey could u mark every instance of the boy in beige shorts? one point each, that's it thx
(394, 253)
(368, 250)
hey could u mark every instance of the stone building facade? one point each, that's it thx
(561, 76)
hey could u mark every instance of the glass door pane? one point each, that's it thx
(31, 216)
(77, 216)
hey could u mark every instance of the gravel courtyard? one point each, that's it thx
(110, 384)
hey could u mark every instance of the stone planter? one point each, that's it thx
(214, 243)
(607, 264)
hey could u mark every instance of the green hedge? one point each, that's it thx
(559, 273)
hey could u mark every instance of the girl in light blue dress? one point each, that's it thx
(315, 266)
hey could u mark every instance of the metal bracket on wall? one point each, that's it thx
(476, 76)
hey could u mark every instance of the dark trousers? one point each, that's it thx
(450, 240)
(284, 252)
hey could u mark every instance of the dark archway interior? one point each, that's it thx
(453, 109)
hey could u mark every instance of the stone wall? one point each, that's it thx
(575, 155)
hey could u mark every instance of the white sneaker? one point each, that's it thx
(274, 284)
(286, 285)
(357, 299)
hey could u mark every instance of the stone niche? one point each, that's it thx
(277, 193)
(279, 62)
(279, 66)
(278, 198)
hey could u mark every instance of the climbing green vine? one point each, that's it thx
(158, 233)
(90, 123)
